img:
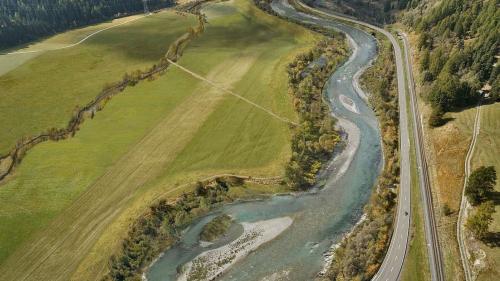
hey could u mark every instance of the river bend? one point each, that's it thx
(320, 217)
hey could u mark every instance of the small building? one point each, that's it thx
(485, 90)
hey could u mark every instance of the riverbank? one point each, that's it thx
(377, 221)
(212, 263)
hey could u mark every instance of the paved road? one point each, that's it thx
(393, 262)
(431, 235)
(464, 253)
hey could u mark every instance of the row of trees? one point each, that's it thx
(360, 255)
(479, 187)
(23, 21)
(107, 93)
(314, 139)
(458, 42)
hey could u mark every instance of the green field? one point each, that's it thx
(70, 77)
(67, 205)
(487, 153)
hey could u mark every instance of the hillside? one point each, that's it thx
(458, 48)
(23, 21)
(454, 47)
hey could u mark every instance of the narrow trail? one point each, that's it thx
(464, 252)
(77, 43)
(212, 83)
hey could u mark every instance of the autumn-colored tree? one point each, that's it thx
(479, 222)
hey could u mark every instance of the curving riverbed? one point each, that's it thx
(318, 218)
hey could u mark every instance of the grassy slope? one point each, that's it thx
(7, 63)
(152, 138)
(70, 77)
(487, 152)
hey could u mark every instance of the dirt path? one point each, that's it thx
(464, 252)
(77, 43)
(216, 86)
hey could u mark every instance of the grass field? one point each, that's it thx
(451, 143)
(487, 153)
(66, 207)
(34, 49)
(70, 77)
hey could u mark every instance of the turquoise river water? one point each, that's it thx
(320, 217)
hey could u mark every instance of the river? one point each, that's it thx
(320, 217)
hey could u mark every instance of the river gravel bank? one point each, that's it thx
(210, 264)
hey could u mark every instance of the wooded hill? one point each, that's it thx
(22, 21)
(458, 44)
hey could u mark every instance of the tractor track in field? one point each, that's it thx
(215, 85)
(77, 43)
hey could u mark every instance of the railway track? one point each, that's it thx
(434, 249)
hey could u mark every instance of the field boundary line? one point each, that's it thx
(212, 83)
(256, 180)
(464, 252)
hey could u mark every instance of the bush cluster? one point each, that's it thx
(159, 228)
(314, 139)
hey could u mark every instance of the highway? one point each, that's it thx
(394, 259)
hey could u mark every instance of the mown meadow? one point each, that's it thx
(43, 92)
(66, 207)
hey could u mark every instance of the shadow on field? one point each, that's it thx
(145, 40)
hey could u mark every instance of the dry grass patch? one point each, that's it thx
(487, 153)
(446, 149)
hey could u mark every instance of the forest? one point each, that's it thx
(458, 46)
(458, 43)
(22, 21)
